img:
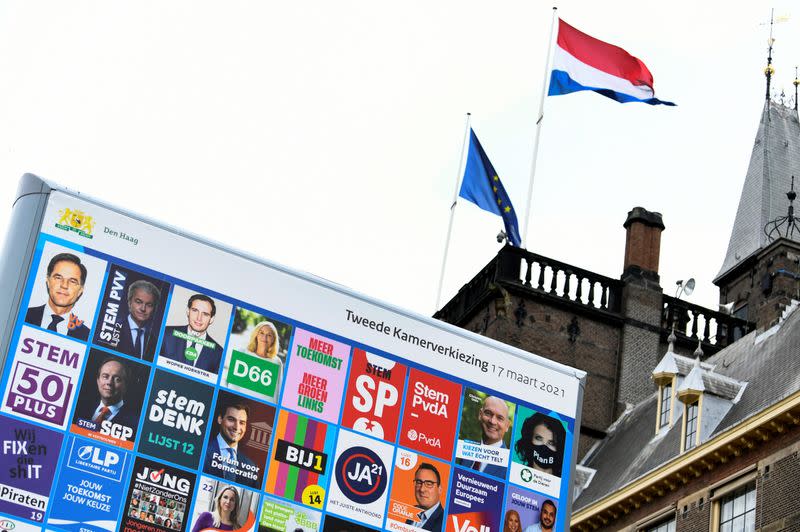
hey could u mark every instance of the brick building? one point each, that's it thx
(691, 416)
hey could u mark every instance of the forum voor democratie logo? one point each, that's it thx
(75, 221)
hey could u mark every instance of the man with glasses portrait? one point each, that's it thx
(428, 493)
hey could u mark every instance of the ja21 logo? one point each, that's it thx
(361, 475)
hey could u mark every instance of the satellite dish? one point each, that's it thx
(684, 287)
(688, 288)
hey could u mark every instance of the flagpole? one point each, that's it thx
(452, 214)
(539, 119)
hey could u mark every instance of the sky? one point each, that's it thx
(327, 136)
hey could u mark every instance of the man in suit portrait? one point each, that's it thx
(224, 458)
(65, 279)
(112, 384)
(493, 417)
(428, 494)
(191, 344)
(137, 334)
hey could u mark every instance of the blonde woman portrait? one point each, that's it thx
(256, 336)
(512, 522)
(264, 342)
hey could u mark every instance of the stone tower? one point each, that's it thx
(760, 272)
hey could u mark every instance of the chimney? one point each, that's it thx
(641, 305)
(642, 245)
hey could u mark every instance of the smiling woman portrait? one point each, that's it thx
(226, 506)
(264, 342)
(512, 522)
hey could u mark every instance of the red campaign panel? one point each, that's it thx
(374, 395)
(431, 415)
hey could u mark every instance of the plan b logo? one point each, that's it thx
(361, 475)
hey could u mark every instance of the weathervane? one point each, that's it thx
(790, 221)
(770, 70)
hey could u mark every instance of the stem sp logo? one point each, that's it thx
(361, 475)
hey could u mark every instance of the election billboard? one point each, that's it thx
(155, 381)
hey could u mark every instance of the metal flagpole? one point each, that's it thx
(539, 128)
(452, 214)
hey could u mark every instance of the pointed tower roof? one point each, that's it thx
(667, 368)
(773, 162)
(693, 384)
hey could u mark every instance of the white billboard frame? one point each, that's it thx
(44, 208)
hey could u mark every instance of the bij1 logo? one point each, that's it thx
(75, 221)
(361, 475)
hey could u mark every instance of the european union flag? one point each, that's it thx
(482, 186)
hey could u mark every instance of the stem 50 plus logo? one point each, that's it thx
(361, 475)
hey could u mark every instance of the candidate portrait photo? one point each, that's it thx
(485, 433)
(539, 441)
(110, 400)
(258, 345)
(195, 333)
(418, 493)
(64, 292)
(238, 443)
(222, 506)
(131, 312)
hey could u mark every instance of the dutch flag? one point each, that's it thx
(583, 63)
